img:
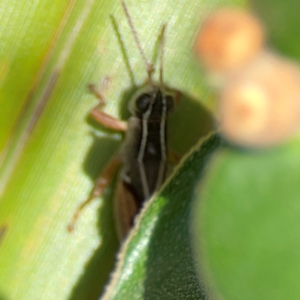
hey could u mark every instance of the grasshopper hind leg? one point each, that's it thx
(125, 209)
(101, 183)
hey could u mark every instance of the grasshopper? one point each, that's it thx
(144, 152)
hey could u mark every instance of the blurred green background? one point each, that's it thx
(51, 151)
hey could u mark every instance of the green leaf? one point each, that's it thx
(246, 221)
(156, 261)
(51, 152)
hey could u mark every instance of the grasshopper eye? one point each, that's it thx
(142, 103)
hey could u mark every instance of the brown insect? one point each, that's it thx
(144, 152)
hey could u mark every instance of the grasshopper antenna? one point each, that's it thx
(149, 66)
(162, 48)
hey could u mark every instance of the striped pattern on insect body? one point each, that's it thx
(144, 152)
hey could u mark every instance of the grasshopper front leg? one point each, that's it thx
(103, 118)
